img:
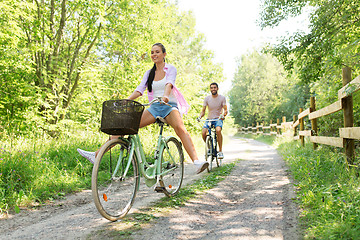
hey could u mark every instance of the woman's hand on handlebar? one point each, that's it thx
(165, 99)
(157, 99)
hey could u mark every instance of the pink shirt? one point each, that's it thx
(170, 73)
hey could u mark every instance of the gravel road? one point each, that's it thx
(253, 202)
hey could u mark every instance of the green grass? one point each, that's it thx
(188, 192)
(328, 191)
(34, 171)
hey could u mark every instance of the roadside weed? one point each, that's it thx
(327, 191)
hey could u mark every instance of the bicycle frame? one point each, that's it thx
(213, 136)
(116, 175)
(137, 149)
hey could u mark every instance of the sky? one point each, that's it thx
(231, 30)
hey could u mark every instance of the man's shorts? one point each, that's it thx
(218, 123)
(161, 110)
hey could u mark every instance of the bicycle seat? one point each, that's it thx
(161, 120)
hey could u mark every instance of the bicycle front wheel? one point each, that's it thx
(115, 180)
(208, 152)
(172, 161)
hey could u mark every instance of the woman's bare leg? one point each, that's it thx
(176, 122)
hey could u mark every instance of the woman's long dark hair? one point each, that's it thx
(152, 71)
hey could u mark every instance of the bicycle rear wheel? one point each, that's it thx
(208, 152)
(115, 180)
(172, 158)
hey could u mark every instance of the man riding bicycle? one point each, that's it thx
(217, 110)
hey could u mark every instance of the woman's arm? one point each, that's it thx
(168, 88)
(134, 95)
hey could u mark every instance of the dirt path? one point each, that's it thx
(254, 202)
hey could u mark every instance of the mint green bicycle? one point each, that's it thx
(120, 162)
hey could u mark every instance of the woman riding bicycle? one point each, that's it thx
(160, 81)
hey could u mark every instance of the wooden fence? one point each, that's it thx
(273, 129)
(347, 134)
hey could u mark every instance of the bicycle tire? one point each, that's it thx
(217, 160)
(114, 193)
(171, 182)
(208, 152)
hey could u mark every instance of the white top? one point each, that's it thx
(158, 88)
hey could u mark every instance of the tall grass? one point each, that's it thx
(36, 169)
(328, 191)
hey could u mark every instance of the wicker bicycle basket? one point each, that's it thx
(121, 117)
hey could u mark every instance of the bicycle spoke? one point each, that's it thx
(172, 161)
(209, 152)
(115, 180)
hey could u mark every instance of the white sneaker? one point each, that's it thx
(201, 165)
(220, 155)
(88, 155)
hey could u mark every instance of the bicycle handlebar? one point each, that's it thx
(210, 120)
(157, 99)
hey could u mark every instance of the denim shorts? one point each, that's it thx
(218, 123)
(161, 110)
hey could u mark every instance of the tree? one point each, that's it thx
(60, 36)
(62, 59)
(17, 94)
(331, 43)
(262, 91)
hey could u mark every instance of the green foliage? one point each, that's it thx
(273, 12)
(60, 60)
(262, 91)
(327, 191)
(331, 43)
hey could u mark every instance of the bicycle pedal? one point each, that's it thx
(159, 189)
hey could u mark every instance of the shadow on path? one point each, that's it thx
(254, 202)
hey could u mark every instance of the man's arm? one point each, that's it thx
(225, 110)
(202, 113)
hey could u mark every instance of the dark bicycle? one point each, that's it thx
(211, 144)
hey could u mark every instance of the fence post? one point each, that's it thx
(295, 128)
(302, 138)
(284, 121)
(263, 131)
(314, 128)
(348, 113)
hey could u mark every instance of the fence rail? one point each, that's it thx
(347, 134)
